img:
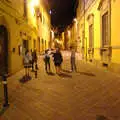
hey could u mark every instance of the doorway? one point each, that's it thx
(3, 50)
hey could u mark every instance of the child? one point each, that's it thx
(47, 61)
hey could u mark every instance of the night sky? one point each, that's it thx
(63, 12)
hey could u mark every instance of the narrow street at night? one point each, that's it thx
(89, 94)
(59, 60)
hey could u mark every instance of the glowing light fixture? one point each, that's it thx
(35, 3)
(75, 20)
(50, 12)
(69, 33)
(52, 34)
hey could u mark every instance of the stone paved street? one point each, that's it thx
(85, 95)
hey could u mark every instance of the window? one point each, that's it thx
(83, 35)
(39, 44)
(25, 8)
(34, 44)
(91, 36)
(25, 45)
(105, 40)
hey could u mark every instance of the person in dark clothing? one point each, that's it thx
(58, 59)
(47, 61)
(34, 58)
(32, 61)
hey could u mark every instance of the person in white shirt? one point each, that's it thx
(26, 61)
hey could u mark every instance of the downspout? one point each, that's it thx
(110, 47)
(85, 40)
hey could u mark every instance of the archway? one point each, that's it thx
(3, 50)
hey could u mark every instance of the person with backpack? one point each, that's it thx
(47, 61)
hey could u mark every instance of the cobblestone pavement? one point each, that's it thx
(88, 94)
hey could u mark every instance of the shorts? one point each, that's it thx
(57, 64)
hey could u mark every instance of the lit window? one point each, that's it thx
(91, 36)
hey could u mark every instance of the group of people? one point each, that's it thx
(58, 59)
(30, 60)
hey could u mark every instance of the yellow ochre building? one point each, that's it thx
(24, 24)
(98, 32)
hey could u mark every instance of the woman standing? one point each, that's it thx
(57, 60)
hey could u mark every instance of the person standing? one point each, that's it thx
(26, 62)
(47, 61)
(58, 59)
(73, 64)
(34, 58)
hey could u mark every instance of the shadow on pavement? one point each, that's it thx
(66, 71)
(100, 117)
(86, 73)
(51, 73)
(25, 79)
(2, 111)
(65, 75)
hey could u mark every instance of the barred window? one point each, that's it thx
(105, 40)
(34, 44)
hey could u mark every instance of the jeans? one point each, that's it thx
(47, 66)
(73, 65)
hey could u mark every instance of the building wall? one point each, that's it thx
(44, 30)
(97, 8)
(115, 35)
(21, 28)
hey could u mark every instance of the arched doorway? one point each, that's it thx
(3, 50)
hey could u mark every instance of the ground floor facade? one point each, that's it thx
(99, 34)
(15, 38)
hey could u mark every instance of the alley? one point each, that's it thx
(89, 94)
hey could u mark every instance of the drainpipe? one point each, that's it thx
(110, 49)
(84, 34)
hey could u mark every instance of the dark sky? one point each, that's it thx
(63, 12)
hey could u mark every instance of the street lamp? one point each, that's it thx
(52, 34)
(75, 31)
(50, 12)
(35, 3)
(52, 38)
(69, 33)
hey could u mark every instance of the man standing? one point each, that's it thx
(73, 64)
